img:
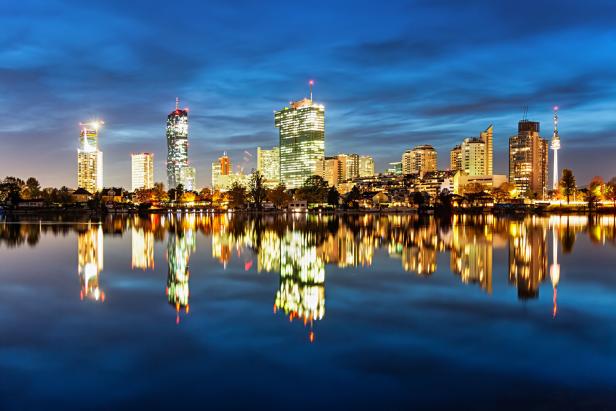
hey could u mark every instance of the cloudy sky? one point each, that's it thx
(392, 75)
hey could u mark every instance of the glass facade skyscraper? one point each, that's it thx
(302, 140)
(142, 167)
(89, 158)
(177, 145)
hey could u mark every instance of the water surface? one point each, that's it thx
(308, 312)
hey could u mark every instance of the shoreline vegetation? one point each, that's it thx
(316, 196)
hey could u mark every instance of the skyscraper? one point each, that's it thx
(89, 158)
(555, 146)
(528, 160)
(142, 167)
(301, 129)
(420, 160)
(487, 136)
(177, 144)
(268, 164)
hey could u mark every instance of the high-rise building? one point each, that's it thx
(366, 166)
(89, 158)
(142, 167)
(329, 169)
(528, 160)
(473, 153)
(301, 128)
(223, 176)
(177, 144)
(268, 164)
(420, 160)
(555, 146)
(395, 168)
(455, 158)
(487, 137)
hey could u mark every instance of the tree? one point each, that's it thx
(10, 189)
(333, 197)
(33, 188)
(592, 199)
(610, 191)
(597, 186)
(237, 196)
(257, 189)
(353, 197)
(314, 190)
(503, 192)
(279, 196)
(159, 194)
(567, 182)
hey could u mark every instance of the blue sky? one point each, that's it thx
(391, 74)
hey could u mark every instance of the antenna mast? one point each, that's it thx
(177, 103)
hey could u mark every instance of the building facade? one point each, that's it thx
(89, 158)
(329, 169)
(473, 156)
(366, 166)
(420, 160)
(177, 145)
(142, 171)
(268, 164)
(455, 158)
(487, 137)
(188, 177)
(528, 160)
(301, 128)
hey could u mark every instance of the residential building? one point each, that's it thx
(455, 158)
(142, 171)
(473, 153)
(366, 166)
(419, 160)
(329, 169)
(528, 160)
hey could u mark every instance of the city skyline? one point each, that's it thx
(386, 89)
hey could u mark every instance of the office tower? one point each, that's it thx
(177, 144)
(268, 164)
(420, 160)
(142, 167)
(366, 166)
(89, 158)
(351, 166)
(455, 158)
(555, 146)
(301, 128)
(528, 160)
(487, 137)
(329, 169)
(473, 153)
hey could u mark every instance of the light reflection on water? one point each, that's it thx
(305, 254)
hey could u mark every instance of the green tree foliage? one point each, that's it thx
(567, 183)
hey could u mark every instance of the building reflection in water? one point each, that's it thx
(528, 257)
(180, 244)
(142, 249)
(301, 293)
(471, 254)
(90, 262)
